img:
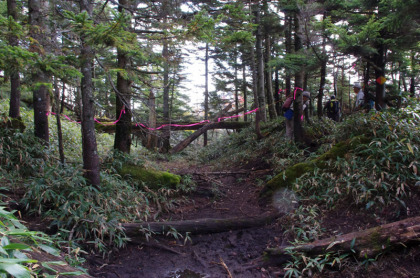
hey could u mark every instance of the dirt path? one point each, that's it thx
(228, 254)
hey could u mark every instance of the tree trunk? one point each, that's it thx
(364, 244)
(151, 136)
(58, 119)
(255, 92)
(324, 60)
(260, 66)
(89, 146)
(277, 93)
(166, 135)
(200, 226)
(288, 45)
(297, 104)
(236, 85)
(321, 87)
(122, 140)
(413, 79)
(206, 92)
(366, 78)
(14, 109)
(268, 78)
(40, 78)
(244, 91)
(379, 75)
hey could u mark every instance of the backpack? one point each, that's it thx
(287, 103)
(333, 106)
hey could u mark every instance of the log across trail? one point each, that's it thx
(201, 226)
(366, 243)
(179, 126)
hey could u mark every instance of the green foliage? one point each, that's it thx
(377, 173)
(80, 211)
(304, 224)
(242, 148)
(14, 59)
(15, 242)
(203, 26)
(302, 265)
(21, 154)
(305, 227)
(287, 178)
(109, 34)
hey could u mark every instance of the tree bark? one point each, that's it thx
(255, 92)
(260, 66)
(288, 46)
(14, 109)
(380, 73)
(89, 146)
(277, 93)
(40, 79)
(244, 90)
(151, 136)
(122, 140)
(323, 60)
(236, 84)
(206, 91)
(412, 78)
(166, 136)
(58, 119)
(268, 79)
(201, 226)
(366, 243)
(297, 104)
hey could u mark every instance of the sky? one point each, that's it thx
(194, 73)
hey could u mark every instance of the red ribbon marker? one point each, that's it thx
(160, 127)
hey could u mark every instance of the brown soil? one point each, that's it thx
(238, 253)
(218, 195)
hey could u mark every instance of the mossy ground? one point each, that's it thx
(153, 179)
(287, 177)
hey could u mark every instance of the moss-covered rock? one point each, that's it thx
(151, 178)
(286, 178)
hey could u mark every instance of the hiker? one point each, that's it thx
(360, 97)
(333, 109)
(288, 112)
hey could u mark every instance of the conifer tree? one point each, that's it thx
(123, 112)
(41, 79)
(373, 30)
(90, 153)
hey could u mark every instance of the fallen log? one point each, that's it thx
(363, 244)
(212, 125)
(108, 127)
(200, 226)
(182, 145)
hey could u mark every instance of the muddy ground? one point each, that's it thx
(237, 253)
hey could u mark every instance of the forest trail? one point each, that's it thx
(234, 253)
(234, 193)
